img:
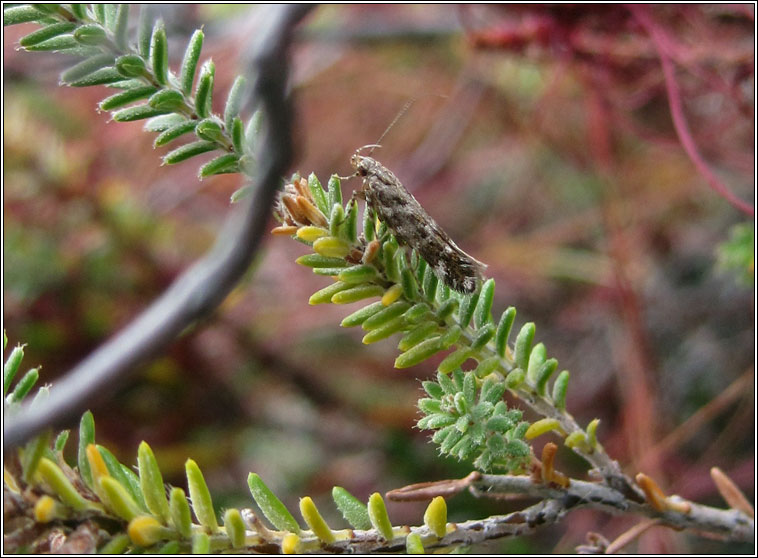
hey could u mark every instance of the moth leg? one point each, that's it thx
(358, 194)
(385, 235)
(347, 210)
(409, 259)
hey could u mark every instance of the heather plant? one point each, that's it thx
(490, 370)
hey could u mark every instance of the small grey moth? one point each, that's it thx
(412, 225)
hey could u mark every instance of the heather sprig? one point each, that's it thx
(145, 86)
(138, 513)
(108, 507)
(465, 407)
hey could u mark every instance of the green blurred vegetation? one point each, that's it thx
(737, 255)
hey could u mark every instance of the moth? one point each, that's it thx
(414, 227)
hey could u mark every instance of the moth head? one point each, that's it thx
(356, 161)
(361, 163)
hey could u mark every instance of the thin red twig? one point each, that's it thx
(677, 113)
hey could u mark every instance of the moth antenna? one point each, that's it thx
(394, 121)
(371, 145)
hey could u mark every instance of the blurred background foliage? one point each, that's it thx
(543, 143)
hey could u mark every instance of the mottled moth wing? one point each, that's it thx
(414, 227)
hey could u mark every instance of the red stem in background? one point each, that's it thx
(677, 113)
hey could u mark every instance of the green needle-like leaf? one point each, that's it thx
(325, 295)
(188, 151)
(504, 330)
(131, 65)
(483, 336)
(221, 164)
(210, 129)
(118, 544)
(86, 67)
(20, 14)
(163, 123)
(360, 316)
(537, 358)
(544, 373)
(33, 452)
(430, 284)
(119, 499)
(137, 112)
(418, 334)
(86, 437)
(234, 101)
(204, 91)
(99, 12)
(60, 43)
(200, 496)
(414, 545)
(435, 516)
(102, 76)
(235, 527)
(355, 294)
(159, 53)
(560, 387)
(61, 440)
(127, 97)
(124, 476)
(121, 26)
(419, 353)
(151, 482)
(52, 474)
(181, 516)
(454, 360)
(334, 191)
(315, 521)
(175, 132)
(314, 185)
(110, 16)
(11, 367)
(466, 309)
(201, 543)
(377, 513)
(90, 35)
(523, 345)
(189, 62)
(390, 312)
(145, 30)
(353, 510)
(24, 385)
(271, 506)
(385, 330)
(482, 313)
(45, 33)
(167, 100)
(170, 548)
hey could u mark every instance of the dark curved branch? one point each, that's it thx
(200, 289)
